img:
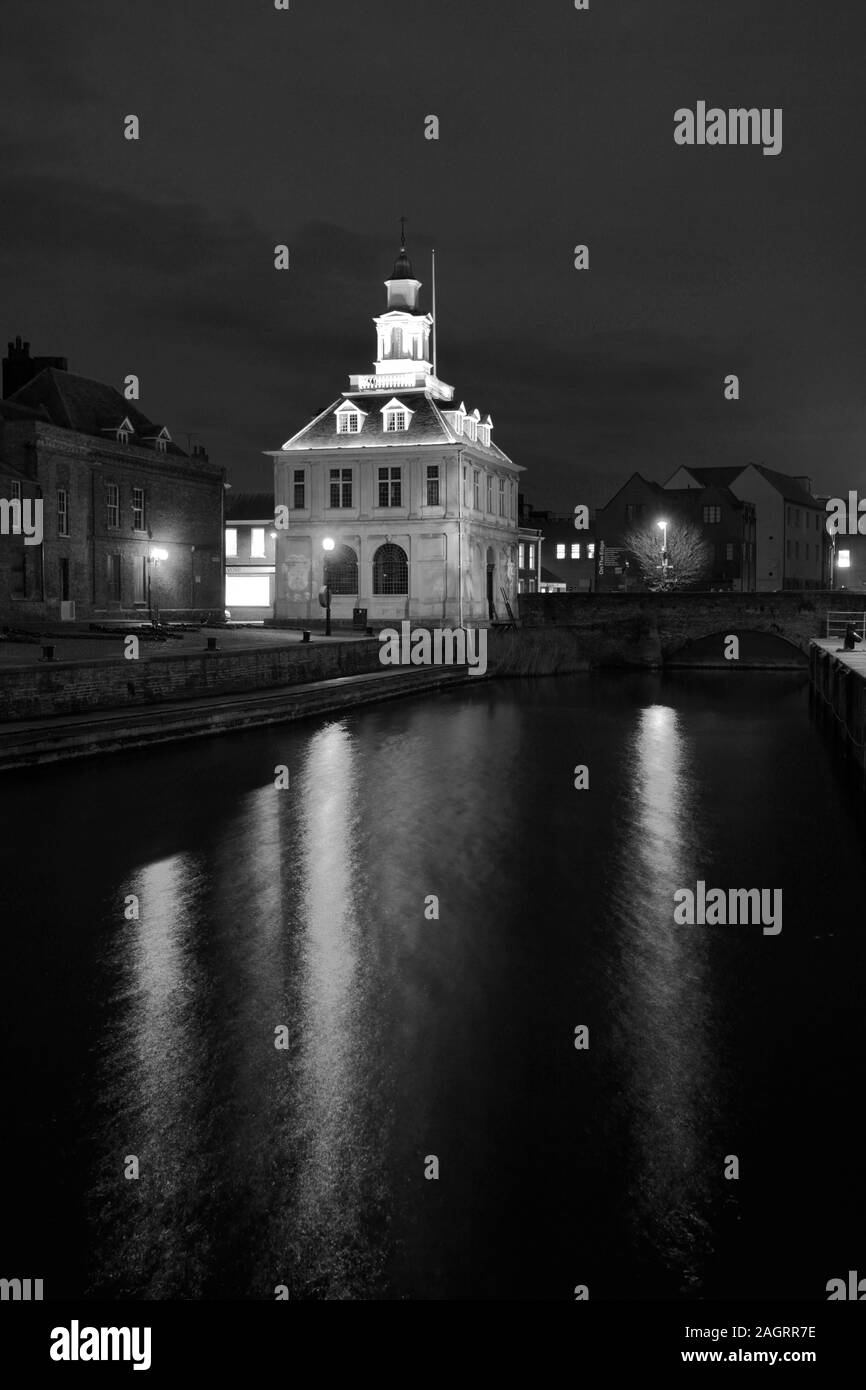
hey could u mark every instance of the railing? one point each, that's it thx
(384, 383)
(838, 621)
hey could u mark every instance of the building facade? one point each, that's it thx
(792, 550)
(396, 496)
(251, 543)
(727, 525)
(569, 554)
(132, 524)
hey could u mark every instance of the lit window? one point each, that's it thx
(470, 427)
(341, 570)
(520, 556)
(396, 420)
(844, 561)
(560, 552)
(590, 550)
(112, 498)
(348, 422)
(532, 557)
(62, 512)
(390, 570)
(138, 509)
(575, 550)
(712, 514)
(729, 550)
(231, 541)
(257, 541)
(432, 485)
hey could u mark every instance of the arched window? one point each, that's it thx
(342, 571)
(390, 570)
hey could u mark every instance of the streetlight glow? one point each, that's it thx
(328, 543)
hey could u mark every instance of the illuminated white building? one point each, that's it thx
(420, 502)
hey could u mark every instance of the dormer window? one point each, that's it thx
(484, 434)
(470, 426)
(395, 416)
(124, 430)
(350, 420)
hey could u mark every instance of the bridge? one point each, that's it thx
(687, 628)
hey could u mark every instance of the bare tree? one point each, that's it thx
(687, 557)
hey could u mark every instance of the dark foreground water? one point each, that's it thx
(412, 1037)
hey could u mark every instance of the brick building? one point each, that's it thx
(792, 550)
(726, 522)
(131, 522)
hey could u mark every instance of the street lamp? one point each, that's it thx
(663, 527)
(327, 546)
(156, 554)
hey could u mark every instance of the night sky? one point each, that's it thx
(306, 127)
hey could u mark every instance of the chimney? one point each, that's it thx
(19, 367)
(200, 452)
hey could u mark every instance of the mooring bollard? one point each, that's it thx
(305, 636)
(47, 653)
(212, 644)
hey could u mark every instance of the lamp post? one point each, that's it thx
(327, 546)
(153, 559)
(663, 527)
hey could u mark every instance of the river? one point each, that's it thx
(410, 1036)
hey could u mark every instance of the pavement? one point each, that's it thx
(79, 644)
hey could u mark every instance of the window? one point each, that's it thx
(257, 541)
(787, 516)
(805, 550)
(112, 498)
(390, 491)
(138, 509)
(231, 541)
(348, 422)
(123, 433)
(590, 550)
(729, 550)
(560, 552)
(470, 426)
(575, 550)
(390, 570)
(501, 496)
(520, 556)
(797, 517)
(712, 515)
(532, 557)
(787, 550)
(465, 487)
(796, 550)
(489, 499)
(248, 590)
(511, 511)
(476, 489)
(298, 490)
(432, 485)
(62, 512)
(633, 511)
(396, 420)
(63, 576)
(484, 434)
(844, 561)
(113, 588)
(161, 443)
(341, 570)
(341, 487)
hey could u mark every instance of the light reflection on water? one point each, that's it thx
(410, 1036)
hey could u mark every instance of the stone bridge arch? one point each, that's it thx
(767, 646)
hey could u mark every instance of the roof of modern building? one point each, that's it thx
(250, 506)
(89, 407)
(790, 488)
